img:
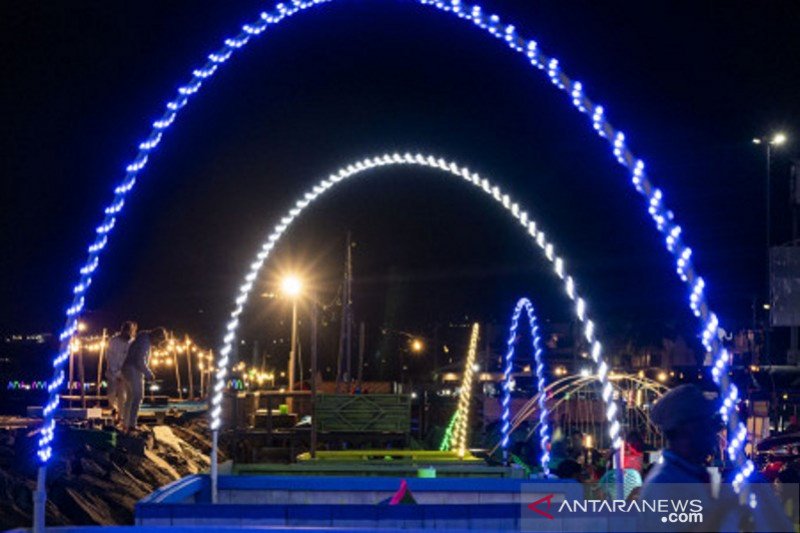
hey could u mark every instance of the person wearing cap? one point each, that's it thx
(688, 420)
(690, 424)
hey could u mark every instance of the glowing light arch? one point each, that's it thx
(544, 429)
(449, 168)
(662, 216)
(461, 432)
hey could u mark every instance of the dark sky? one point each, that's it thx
(690, 83)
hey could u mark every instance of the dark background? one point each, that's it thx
(690, 83)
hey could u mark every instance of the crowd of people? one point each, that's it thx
(128, 354)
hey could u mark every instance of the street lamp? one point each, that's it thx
(417, 346)
(777, 139)
(292, 287)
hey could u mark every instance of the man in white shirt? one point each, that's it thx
(117, 353)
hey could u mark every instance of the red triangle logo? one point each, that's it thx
(535, 506)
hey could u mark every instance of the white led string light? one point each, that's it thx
(449, 168)
(663, 217)
(544, 428)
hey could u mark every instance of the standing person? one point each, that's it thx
(690, 423)
(135, 370)
(634, 452)
(116, 355)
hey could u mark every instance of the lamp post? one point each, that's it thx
(417, 346)
(81, 366)
(314, 318)
(776, 139)
(292, 287)
(189, 348)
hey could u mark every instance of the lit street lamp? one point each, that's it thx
(292, 287)
(776, 139)
(417, 346)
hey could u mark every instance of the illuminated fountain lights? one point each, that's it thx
(544, 428)
(550, 66)
(460, 438)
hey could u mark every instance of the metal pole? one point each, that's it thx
(292, 354)
(619, 474)
(767, 325)
(792, 358)
(177, 372)
(214, 464)
(71, 373)
(40, 501)
(100, 359)
(300, 363)
(361, 344)
(82, 374)
(349, 342)
(313, 378)
(189, 368)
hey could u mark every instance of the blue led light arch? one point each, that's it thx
(536, 341)
(663, 218)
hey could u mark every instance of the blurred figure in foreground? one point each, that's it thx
(688, 421)
(690, 424)
(117, 353)
(135, 370)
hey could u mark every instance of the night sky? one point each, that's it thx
(690, 84)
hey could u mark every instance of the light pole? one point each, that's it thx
(314, 318)
(292, 287)
(776, 139)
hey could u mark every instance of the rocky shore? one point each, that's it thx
(98, 474)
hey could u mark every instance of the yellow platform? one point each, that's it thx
(425, 456)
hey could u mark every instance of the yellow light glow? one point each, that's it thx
(662, 377)
(417, 346)
(291, 286)
(779, 138)
(460, 434)
(82, 326)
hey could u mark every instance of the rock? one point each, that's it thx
(96, 477)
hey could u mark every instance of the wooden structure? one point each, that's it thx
(264, 431)
(363, 413)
